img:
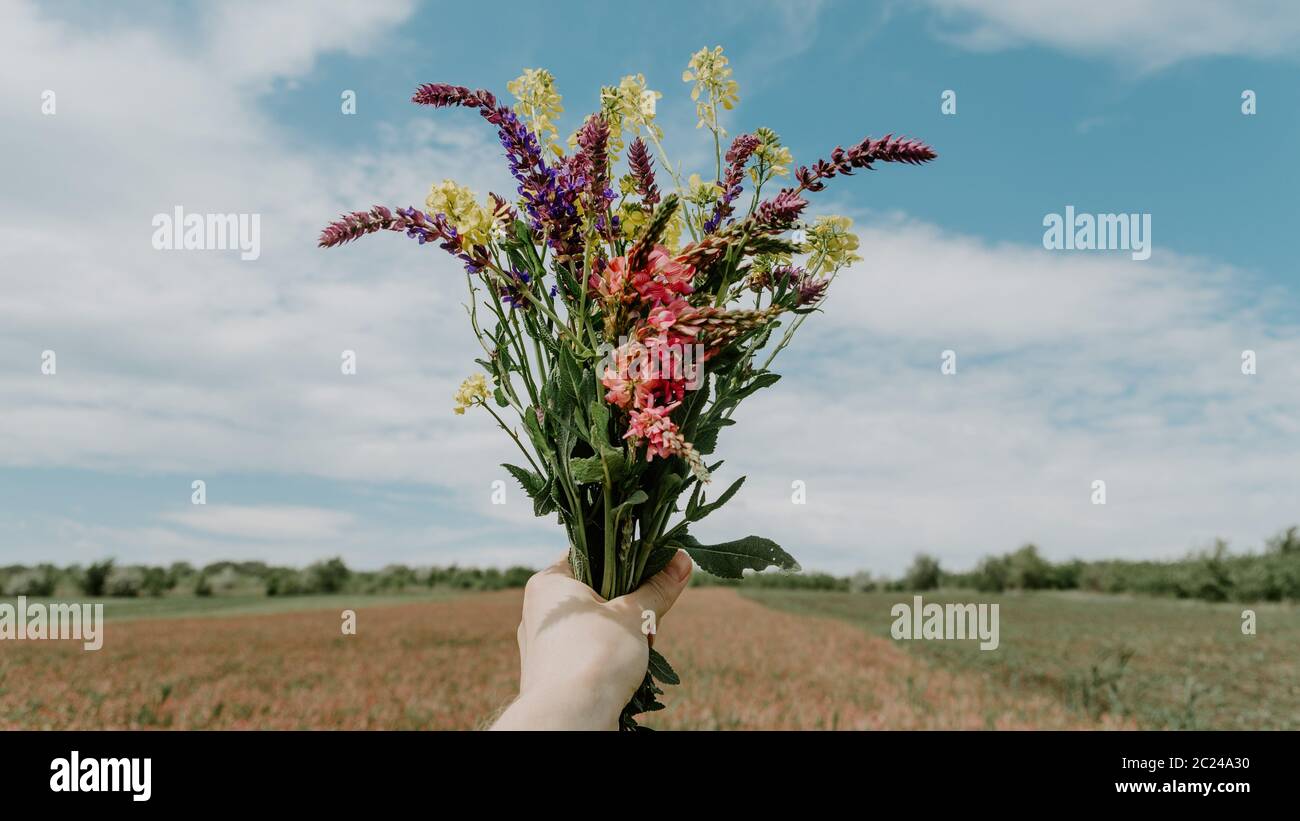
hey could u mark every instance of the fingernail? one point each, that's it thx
(680, 567)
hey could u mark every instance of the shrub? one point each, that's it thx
(156, 581)
(328, 576)
(38, 581)
(924, 573)
(396, 577)
(992, 574)
(203, 587)
(95, 577)
(124, 582)
(284, 581)
(517, 576)
(862, 582)
(1026, 570)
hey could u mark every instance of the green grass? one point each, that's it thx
(186, 606)
(1162, 663)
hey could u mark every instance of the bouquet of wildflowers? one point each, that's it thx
(623, 315)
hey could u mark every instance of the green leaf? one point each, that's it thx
(587, 470)
(591, 469)
(729, 560)
(657, 560)
(706, 439)
(701, 511)
(571, 374)
(661, 669)
(536, 486)
(599, 415)
(762, 380)
(637, 498)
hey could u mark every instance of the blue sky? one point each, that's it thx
(1073, 365)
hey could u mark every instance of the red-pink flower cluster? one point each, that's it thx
(662, 280)
(652, 426)
(653, 368)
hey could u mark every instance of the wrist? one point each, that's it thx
(567, 705)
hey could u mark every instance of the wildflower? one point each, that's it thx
(781, 211)
(713, 86)
(652, 427)
(718, 326)
(629, 383)
(539, 103)
(512, 291)
(770, 271)
(643, 172)
(739, 153)
(473, 391)
(810, 289)
(843, 162)
(593, 140)
(628, 108)
(459, 205)
(772, 158)
(549, 194)
(661, 318)
(832, 243)
(701, 193)
(664, 278)
(649, 426)
(611, 282)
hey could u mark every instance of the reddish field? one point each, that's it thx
(451, 664)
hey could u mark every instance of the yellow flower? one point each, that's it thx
(539, 104)
(459, 204)
(772, 158)
(473, 391)
(628, 107)
(831, 242)
(702, 193)
(633, 219)
(713, 86)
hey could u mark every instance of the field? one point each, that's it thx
(748, 659)
(1158, 663)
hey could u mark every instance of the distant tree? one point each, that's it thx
(329, 576)
(1285, 543)
(203, 587)
(1027, 570)
(178, 572)
(924, 573)
(95, 577)
(517, 576)
(156, 582)
(862, 582)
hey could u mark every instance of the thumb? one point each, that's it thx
(662, 589)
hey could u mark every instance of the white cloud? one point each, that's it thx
(1071, 367)
(258, 522)
(254, 40)
(1149, 33)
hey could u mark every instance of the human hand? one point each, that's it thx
(581, 657)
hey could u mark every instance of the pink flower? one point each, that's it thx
(664, 280)
(652, 425)
(661, 318)
(612, 282)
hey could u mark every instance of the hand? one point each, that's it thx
(580, 657)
